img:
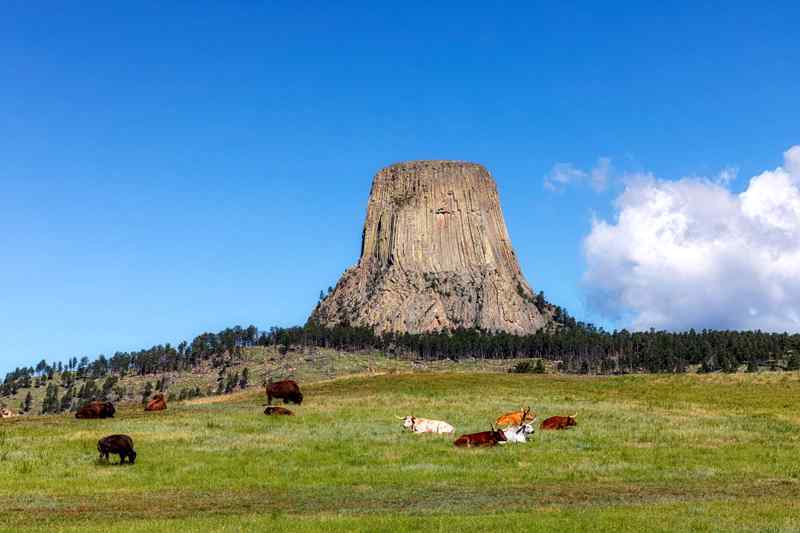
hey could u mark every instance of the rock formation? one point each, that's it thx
(435, 254)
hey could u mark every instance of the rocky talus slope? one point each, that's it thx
(435, 255)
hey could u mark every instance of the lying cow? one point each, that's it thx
(424, 425)
(559, 422)
(121, 445)
(484, 438)
(275, 410)
(158, 403)
(96, 410)
(286, 390)
(516, 418)
(518, 433)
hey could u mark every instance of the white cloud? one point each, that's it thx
(563, 174)
(727, 175)
(601, 173)
(691, 253)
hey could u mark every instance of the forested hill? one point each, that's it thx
(224, 356)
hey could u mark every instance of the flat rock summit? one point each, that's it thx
(435, 254)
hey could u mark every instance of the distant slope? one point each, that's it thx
(306, 365)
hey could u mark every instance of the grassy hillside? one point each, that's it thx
(305, 365)
(704, 452)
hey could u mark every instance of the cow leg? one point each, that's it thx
(269, 399)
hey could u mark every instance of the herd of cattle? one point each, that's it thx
(516, 426)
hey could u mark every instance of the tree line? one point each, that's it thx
(573, 347)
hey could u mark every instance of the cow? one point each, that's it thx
(7, 413)
(96, 410)
(121, 445)
(424, 425)
(518, 433)
(275, 410)
(158, 403)
(559, 422)
(516, 418)
(287, 390)
(484, 438)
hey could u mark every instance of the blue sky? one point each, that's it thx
(170, 170)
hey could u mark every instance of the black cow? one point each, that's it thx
(121, 445)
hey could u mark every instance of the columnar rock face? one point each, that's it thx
(435, 254)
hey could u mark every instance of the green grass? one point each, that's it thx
(688, 452)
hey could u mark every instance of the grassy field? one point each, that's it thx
(700, 452)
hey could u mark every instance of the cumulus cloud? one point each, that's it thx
(691, 253)
(564, 174)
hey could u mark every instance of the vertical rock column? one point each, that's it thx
(435, 254)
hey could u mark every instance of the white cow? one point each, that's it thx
(518, 433)
(424, 425)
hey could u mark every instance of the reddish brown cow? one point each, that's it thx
(559, 422)
(484, 438)
(96, 410)
(158, 403)
(275, 410)
(287, 390)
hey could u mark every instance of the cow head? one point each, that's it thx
(108, 409)
(527, 429)
(526, 415)
(497, 434)
(408, 421)
(571, 420)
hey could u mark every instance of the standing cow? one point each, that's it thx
(158, 403)
(286, 390)
(96, 409)
(484, 438)
(559, 422)
(121, 445)
(425, 425)
(516, 418)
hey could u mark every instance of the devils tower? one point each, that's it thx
(435, 254)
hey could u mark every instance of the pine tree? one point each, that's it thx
(794, 362)
(50, 403)
(245, 378)
(108, 386)
(66, 400)
(88, 390)
(26, 406)
(148, 390)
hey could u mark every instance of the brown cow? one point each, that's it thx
(158, 403)
(96, 410)
(516, 418)
(484, 438)
(275, 410)
(121, 445)
(559, 422)
(286, 390)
